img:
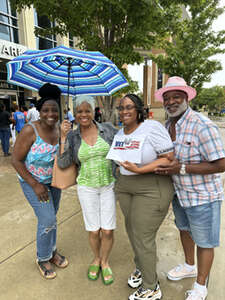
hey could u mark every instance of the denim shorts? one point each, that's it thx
(202, 222)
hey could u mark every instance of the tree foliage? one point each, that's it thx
(190, 52)
(211, 99)
(114, 27)
(118, 28)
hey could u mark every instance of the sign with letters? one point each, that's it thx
(10, 50)
(126, 148)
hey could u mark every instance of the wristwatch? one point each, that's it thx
(183, 169)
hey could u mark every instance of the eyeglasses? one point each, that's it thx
(128, 107)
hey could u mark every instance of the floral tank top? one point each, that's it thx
(40, 159)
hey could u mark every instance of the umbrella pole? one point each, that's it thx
(59, 123)
(60, 111)
(68, 85)
(68, 95)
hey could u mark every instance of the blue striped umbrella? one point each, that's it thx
(75, 72)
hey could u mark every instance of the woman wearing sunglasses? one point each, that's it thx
(144, 196)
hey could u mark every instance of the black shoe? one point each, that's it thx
(7, 154)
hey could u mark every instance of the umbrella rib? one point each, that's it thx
(53, 68)
(80, 60)
(91, 73)
(94, 75)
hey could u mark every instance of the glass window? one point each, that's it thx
(160, 79)
(4, 32)
(44, 42)
(13, 13)
(35, 18)
(8, 22)
(4, 19)
(43, 22)
(14, 22)
(4, 6)
(15, 35)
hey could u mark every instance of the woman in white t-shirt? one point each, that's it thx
(144, 197)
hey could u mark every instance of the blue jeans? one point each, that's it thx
(201, 221)
(46, 215)
(4, 137)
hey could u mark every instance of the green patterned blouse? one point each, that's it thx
(96, 170)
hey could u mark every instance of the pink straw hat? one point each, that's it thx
(175, 83)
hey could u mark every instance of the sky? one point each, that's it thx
(218, 78)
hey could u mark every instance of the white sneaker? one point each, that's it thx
(196, 294)
(135, 279)
(180, 272)
(149, 294)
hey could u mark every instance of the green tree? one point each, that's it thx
(117, 28)
(189, 53)
(211, 99)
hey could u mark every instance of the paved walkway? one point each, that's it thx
(20, 279)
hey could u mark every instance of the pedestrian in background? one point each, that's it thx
(87, 147)
(24, 111)
(33, 158)
(69, 116)
(19, 119)
(144, 197)
(5, 121)
(199, 192)
(98, 115)
(33, 113)
(12, 126)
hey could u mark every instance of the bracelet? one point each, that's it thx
(63, 142)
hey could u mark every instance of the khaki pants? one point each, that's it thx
(144, 201)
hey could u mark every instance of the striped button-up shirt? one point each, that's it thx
(197, 140)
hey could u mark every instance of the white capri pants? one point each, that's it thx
(98, 207)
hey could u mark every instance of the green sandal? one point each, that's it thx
(105, 273)
(93, 269)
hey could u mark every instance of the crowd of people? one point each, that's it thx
(11, 123)
(143, 165)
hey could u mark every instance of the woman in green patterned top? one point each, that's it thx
(88, 146)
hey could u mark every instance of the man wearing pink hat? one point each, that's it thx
(199, 192)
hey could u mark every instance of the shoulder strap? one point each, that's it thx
(34, 127)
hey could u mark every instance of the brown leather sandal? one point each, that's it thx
(46, 273)
(60, 262)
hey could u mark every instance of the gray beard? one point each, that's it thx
(181, 109)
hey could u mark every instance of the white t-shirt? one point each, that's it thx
(32, 114)
(142, 146)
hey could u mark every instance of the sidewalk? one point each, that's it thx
(20, 278)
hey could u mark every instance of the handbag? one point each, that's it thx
(63, 178)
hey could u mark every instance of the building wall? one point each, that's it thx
(150, 79)
(9, 50)
(27, 40)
